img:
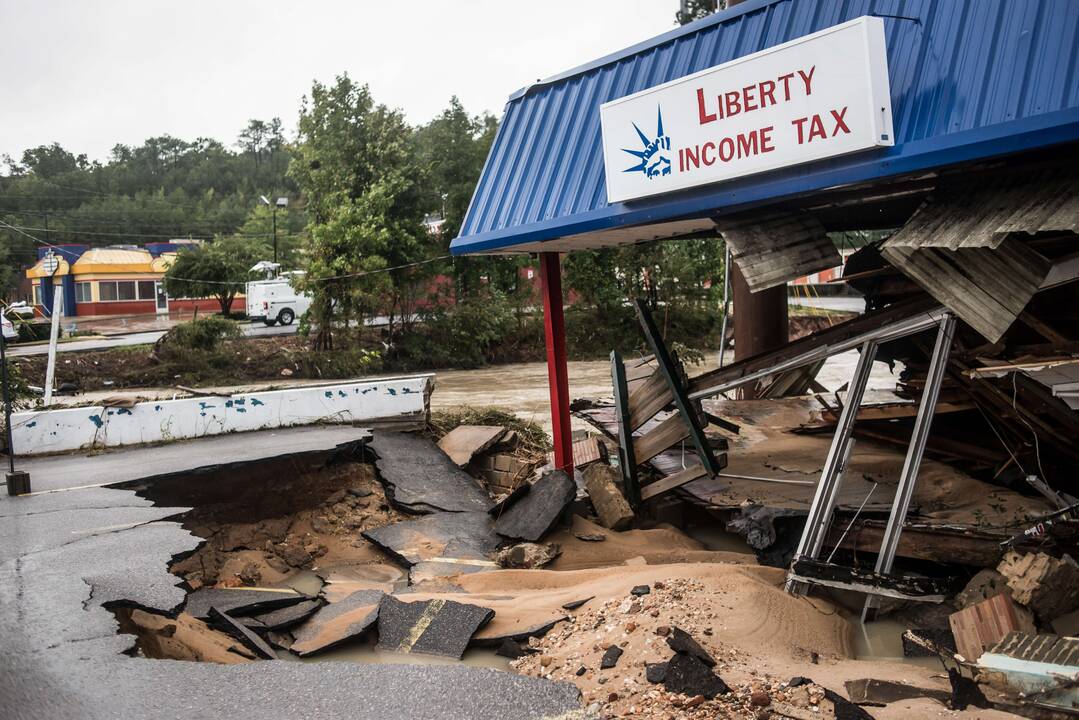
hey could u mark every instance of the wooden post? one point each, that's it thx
(554, 326)
(760, 320)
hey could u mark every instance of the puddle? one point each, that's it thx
(306, 582)
(365, 652)
(714, 537)
(882, 640)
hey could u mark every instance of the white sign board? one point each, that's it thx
(816, 97)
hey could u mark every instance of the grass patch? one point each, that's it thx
(533, 438)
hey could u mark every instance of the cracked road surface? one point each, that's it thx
(67, 552)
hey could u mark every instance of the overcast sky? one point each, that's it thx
(92, 73)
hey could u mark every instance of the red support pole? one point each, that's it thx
(554, 326)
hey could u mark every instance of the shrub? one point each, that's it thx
(202, 334)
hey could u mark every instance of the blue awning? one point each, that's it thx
(970, 80)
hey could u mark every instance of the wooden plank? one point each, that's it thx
(627, 461)
(648, 398)
(670, 431)
(675, 383)
(677, 480)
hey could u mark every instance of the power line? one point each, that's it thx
(172, 236)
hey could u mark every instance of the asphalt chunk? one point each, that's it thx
(443, 536)
(422, 479)
(681, 642)
(432, 627)
(240, 601)
(686, 674)
(533, 516)
(337, 622)
(286, 616)
(236, 629)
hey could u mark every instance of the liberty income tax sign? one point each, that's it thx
(816, 97)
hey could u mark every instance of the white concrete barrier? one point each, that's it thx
(369, 401)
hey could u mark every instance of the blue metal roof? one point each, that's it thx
(970, 79)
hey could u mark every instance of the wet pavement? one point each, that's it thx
(67, 552)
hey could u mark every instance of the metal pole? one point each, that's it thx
(831, 477)
(726, 302)
(554, 325)
(908, 477)
(275, 233)
(7, 403)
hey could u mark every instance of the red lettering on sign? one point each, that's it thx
(839, 124)
(768, 90)
(798, 123)
(808, 79)
(733, 100)
(766, 139)
(726, 149)
(747, 144)
(816, 128)
(692, 158)
(749, 101)
(704, 115)
(786, 80)
(704, 153)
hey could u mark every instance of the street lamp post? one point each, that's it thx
(281, 202)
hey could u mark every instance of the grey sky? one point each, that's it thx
(89, 73)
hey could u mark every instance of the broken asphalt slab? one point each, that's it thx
(240, 601)
(65, 660)
(432, 627)
(420, 478)
(338, 622)
(230, 625)
(287, 616)
(454, 535)
(534, 514)
(466, 441)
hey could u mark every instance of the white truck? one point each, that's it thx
(276, 301)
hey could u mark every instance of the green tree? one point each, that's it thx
(219, 269)
(356, 163)
(691, 10)
(454, 147)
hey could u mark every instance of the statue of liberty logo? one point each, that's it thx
(654, 161)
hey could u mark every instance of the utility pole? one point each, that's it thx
(18, 483)
(275, 234)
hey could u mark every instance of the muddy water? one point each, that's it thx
(522, 388)
(883, 640)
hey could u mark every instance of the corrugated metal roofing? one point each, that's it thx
(982, 213)
(969, 79)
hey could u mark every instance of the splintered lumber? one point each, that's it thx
(649, 398)
(611, 507)
(670, 431)
(671, 482)
(984, 624)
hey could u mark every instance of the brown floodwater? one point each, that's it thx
(522, 388)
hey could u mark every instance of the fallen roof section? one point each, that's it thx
(775, 248)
